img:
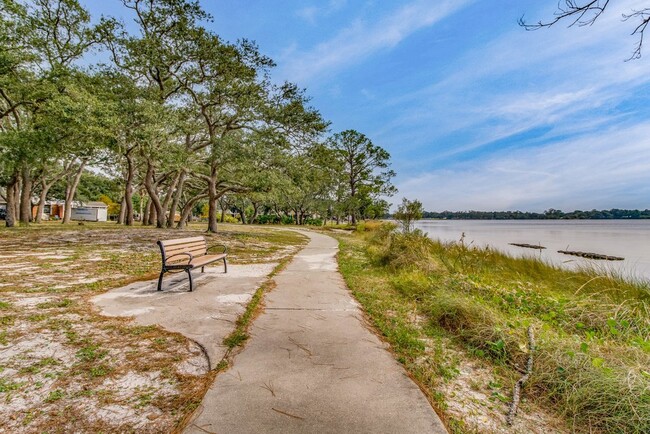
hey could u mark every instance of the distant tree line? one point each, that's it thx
(550, 214)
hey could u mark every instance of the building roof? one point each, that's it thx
(90, 205)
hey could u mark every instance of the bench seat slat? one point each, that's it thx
(206, 259)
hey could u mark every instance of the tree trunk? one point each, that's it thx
(128, 190)
(187, 209)
(155, 200)
(17, 189)
(122, 216)
(256, 211)
(45, 189)
(177, 198)
(70, 191)
(167, 218)
(41, 200)
(152, 214)
(242, 213)
(26, 197)
(212, 201)
(10, 219)
(144, 214)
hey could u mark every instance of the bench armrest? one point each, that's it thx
(179, 254)
(225, 249)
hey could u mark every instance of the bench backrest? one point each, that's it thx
(196, 246)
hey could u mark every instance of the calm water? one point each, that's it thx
(625, 238)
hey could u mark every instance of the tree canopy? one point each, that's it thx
(174, 117)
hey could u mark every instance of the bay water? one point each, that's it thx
(629, 239)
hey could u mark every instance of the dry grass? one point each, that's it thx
(65, 368)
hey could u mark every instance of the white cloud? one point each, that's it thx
(609, 169)
(308, 14)
(311, 14)
(361, 39)
(565, 80)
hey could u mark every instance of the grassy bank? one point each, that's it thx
(448, 310)
(64, 367)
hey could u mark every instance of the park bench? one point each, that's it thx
(186, 254)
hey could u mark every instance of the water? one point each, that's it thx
(629, 239)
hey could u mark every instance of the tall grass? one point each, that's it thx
(592, 362)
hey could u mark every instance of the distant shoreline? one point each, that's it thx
(551, 214)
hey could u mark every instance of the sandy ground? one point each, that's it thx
(66, 367)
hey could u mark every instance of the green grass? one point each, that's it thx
(240, 335)
(593, 332)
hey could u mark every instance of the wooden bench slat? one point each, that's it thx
(185, 245)
(206, 259)
(182, 241)
(195, 250)
(181, 257)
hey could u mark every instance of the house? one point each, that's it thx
(87, 211)
(90, 211)
(52, 210)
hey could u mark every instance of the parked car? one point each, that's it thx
(3, 214)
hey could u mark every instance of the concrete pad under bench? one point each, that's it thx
(206, 315)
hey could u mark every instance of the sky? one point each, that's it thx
(476, 112)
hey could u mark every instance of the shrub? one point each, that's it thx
(286, 220)
(230, 219)
(374, 226)
(268, 219)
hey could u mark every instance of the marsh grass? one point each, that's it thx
(592, 330)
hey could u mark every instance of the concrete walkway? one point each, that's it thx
(206, 315)
(311, 365)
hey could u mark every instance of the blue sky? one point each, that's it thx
(476, 112)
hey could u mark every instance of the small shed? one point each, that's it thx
(90, 211)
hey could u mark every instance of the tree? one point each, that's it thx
(586, 12)
(365, 170)
(408, 212)
(42, 99)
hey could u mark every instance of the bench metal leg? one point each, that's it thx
(160, 280)
(189, 275)
(225, 265)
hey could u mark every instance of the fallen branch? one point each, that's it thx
(516, 394)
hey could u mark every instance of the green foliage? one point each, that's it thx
(266, 219)
(408, 212)
(91, 353)
(364, 172)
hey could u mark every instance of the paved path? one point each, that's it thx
(312, 367)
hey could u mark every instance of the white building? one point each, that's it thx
(90, 211)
